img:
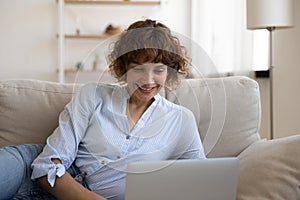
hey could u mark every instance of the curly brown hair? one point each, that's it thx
(149, 41)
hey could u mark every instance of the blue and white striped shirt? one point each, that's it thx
(93, 131)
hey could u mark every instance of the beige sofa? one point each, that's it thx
(227, 111)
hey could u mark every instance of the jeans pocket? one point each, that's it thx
(78, 175)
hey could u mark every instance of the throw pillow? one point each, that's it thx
(270, 169)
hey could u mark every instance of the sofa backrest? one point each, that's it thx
(227, 111)
(30, 109)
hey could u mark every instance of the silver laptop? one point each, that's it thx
(210, 179)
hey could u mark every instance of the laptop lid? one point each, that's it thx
(209, 179)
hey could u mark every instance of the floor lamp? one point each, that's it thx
(270, 15)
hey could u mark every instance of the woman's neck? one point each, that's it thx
(134, 111)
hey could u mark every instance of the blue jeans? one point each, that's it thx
(15, 173)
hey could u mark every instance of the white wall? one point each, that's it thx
(28, 43)
(287, 78)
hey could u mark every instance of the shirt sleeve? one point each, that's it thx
(189, 145)
(64, 141)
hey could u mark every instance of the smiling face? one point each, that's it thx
(144, 81)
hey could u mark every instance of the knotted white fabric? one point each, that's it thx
(55, 170)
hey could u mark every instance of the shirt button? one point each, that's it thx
(102, 162)
(127, 137)
(118, 157)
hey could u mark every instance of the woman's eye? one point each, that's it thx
(159, 70)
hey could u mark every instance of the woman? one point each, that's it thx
(107, 126)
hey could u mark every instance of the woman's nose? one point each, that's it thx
(148, 77)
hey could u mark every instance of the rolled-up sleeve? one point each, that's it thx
(64, 141)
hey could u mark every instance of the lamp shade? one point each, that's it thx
(269, 13)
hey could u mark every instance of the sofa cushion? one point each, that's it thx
(29, 109)
(270, 169)
(227, 111)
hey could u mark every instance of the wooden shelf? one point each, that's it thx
(112, 2)
(87, 36)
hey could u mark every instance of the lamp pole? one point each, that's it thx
(271, 68)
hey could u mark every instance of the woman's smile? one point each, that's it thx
(147, 89)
